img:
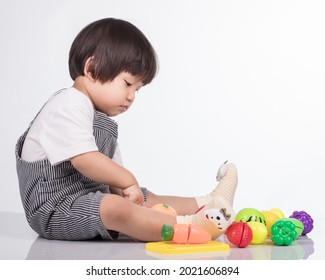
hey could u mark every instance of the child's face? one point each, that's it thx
(114, 97)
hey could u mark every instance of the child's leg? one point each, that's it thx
(145, 224)
(141, 223)
(189, 205)
(182, 205)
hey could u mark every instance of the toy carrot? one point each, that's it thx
(185, 234)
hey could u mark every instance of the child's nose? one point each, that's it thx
(131, 96)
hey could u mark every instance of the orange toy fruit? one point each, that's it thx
(165, 208)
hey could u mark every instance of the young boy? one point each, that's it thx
(70, 184)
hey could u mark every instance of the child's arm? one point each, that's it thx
(116, 191)
(132, 193)
(100, 168)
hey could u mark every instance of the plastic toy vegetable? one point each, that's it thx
(283, 232)
(185, 234)
(239, 234)
(306, 219)
(299, 225)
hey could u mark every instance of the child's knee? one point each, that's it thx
(113, 208)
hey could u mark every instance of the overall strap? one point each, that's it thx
(56, 93)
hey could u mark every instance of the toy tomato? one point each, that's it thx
(239, 234)
(185, 234)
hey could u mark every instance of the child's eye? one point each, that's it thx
(127, 83)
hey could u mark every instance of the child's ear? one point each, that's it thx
(89, 68)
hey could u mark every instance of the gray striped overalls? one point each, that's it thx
(59, 202)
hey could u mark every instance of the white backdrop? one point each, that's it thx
(239, 80)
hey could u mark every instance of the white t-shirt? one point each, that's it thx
(63, 129)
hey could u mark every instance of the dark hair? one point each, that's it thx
(115, 46)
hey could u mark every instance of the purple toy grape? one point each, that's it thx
(306, 219)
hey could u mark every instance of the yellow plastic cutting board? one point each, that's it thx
(168, 247)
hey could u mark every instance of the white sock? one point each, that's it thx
(214, 218)
(226, 188)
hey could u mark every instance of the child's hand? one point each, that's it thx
(134, 194)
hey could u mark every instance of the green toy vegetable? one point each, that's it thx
(283, 232)
(167, 232)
